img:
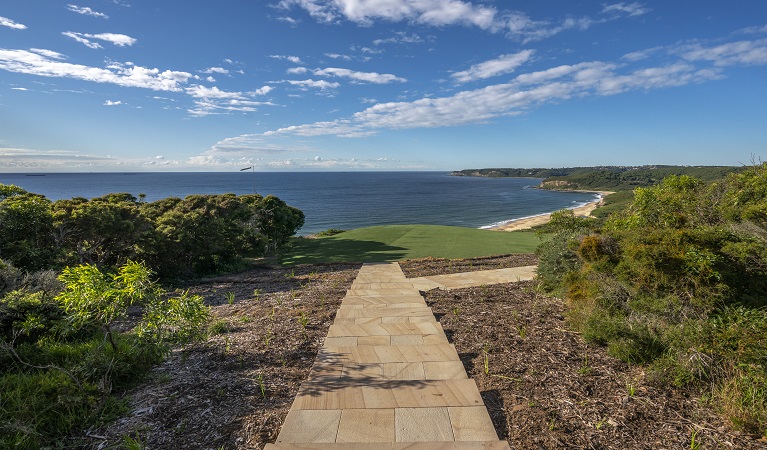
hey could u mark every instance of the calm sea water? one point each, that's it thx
(343, 200)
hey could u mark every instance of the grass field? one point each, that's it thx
(399, 242)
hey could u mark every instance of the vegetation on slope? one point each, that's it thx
(71, 344)
(678, 280)
(605, 178)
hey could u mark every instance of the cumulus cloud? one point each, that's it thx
(521, 27)
(316, 84)
(48, 53)
(755, 30)
(696, 63)
(297, 70)
(502, 65)
(86, 11)
(220, 70)
(128, 75)
(741, 52)
(367, 77)
(338, 56)
(429, 12)
(6, 22)
(293, 59)
(199, 91)
(111, 103)
(120, 40)
(400, 38)
(516, 24)
(22, 159)
(212, 105)
(629, 9)
(289, 20)
(249, 145)
(641, 54)
(263, 90)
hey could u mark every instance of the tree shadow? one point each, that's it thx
(495, 407)
(324, 250)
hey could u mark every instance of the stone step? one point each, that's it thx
(386, 394)
(486, 445)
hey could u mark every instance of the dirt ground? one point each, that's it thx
(543, 385)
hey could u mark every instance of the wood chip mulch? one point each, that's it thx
(234, 391)
(545, 388)
(425, 267)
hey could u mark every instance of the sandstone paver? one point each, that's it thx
(469, 279)
(387, 377)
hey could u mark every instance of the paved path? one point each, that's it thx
(479, 278)
(387, 378)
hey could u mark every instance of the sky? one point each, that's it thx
(343, 85)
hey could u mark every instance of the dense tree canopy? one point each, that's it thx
(200, 234)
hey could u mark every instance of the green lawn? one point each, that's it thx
(400, 242)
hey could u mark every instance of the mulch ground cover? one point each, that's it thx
(546, 388)
(425, 267)
(235, 390)
(543, 385)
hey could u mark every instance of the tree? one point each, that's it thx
(26, 230)
(91, 297)
(104, 231)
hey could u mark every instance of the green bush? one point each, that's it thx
(678, 281)
(62, 365)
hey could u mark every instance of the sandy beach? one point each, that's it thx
(529, 222)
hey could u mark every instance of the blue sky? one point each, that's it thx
(132, 85)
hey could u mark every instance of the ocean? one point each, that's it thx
(343, 200)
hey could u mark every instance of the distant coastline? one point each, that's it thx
(525, 223)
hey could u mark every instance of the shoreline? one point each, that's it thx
(525, 223)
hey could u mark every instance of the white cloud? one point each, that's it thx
(502, 65)
(293, 59)
(696, 64)
(296, 70)
(400, 38)
(210, 79)
(77, 37)
(338, 56)
(199, 91)
(640, 55)
(22, 61)
(111, 103)
(22, 159)
(521, 27)
(262, 90)
(289, 20)
(6, 22)
(755, 30)
(220, 70)
(120, 40)
(741, 52)
(368, 77)
(210, 106)
(630, 9)
(84, 10)
(19, 89)
(251, 144)
(429, 12)
(48, 53)
(318, 84)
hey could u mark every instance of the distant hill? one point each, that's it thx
(602, 178)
